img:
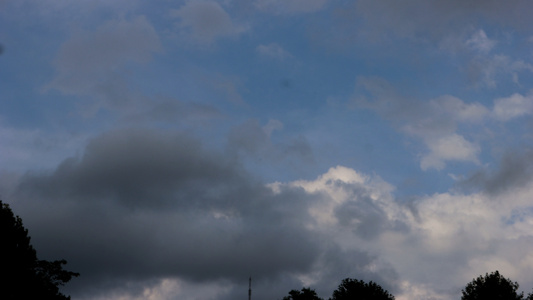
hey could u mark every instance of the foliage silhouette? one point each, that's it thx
(22, 275)
(491, 286)
(304, 294)
(351, 289)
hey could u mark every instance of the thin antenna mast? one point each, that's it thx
(250, 289)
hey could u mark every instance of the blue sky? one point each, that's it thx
(171, 149)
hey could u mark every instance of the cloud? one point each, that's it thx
(438, 19)
(515, 171)
(487, 70)
(160, 212)
(227, 86)
(91, 63)
(484, 68)
(206, 21)
(273, 50)
(439, 123)
(271, 126)
(251, 139)
(449, 148)
(290, 6)
(513, 106)
(351, 209)
(146, 205)
(132, 166)
(57, 12)
(169, 110)
(480, 42)
(455, 108)
(23, 149)
(434, 122)
(344, 185)
(144, 208)
(415, 28)
(447, 236)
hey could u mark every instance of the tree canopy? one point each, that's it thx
(22, 274)
(491, 286)
(304, 294)
(351, 289)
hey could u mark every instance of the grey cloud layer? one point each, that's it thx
(142, 205)
(139, 204)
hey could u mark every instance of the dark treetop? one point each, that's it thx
(22, 275)
(491, 286)
(352, 289)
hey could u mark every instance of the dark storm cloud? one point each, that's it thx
(134, 167)
(140, 205)
(515, 171)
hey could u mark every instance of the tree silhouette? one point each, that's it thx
(22, 275)
(304, 294)
(491, 286)
(351, 289)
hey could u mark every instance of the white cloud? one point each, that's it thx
(342, 185)
(513, 106)
(413, 291)
(444, 232)
(459, 110)
(480, 42)
(272, 125)
(451, 236)
(273, 50)
(206, 21)
(453, 147)
(435, 122)
(445, 217)
(487, 70)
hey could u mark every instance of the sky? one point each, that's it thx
(172, 149)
